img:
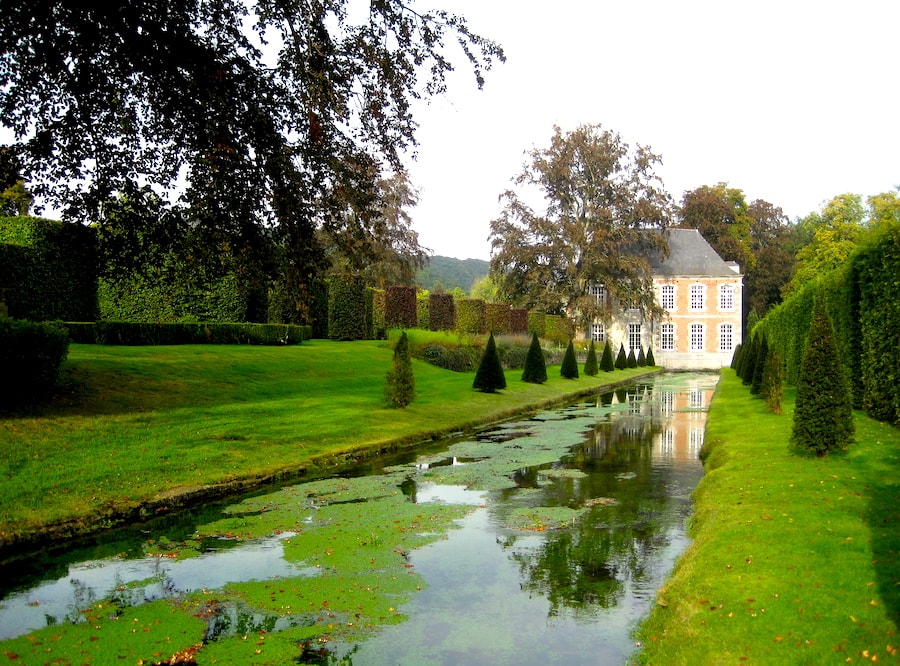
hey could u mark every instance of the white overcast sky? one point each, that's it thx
(790, 101)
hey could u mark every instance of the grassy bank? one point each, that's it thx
(794, 559)
(140, 429)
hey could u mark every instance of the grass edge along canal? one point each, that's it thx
(143, 430)
(793, 560)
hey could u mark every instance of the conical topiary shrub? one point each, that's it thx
(569, 367)
(772, 389)
(621, 358)
(823, 412)
(606, 360)
(651, 362)
(631, 361)
(535, 371)
(748, 363)
(400, 384)
(489, 377)
(590, 364)
(759, 365)
(641, 359)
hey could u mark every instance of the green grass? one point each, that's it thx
(794, 559)
(136, 426)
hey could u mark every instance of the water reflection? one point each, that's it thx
(575, 517)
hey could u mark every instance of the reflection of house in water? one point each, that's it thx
(684, 420)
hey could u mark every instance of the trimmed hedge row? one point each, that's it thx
(441, 312)
(863, 304)
(30, 355)
(136, 333)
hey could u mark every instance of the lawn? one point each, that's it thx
(794, 559)
(136, 428)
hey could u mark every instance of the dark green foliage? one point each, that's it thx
(736, 358)
(441, 312)
(422, 316)
(347, 308)
(823, 414)
(606, 360)
(759, 365)
(489, 377)
(535, 370)
(400, 307)
(537, 322)
(569, 367)
(631, 361)
(641, 359)
(457, 359)
(590, 363)
(749, 365)
(470, 316)
(30, 355)
(651, 362)
(621, 358)
(772, 389)
(48, 269)
(400, 383)
(558, 328)
(137, 333)
(496, 318)
(518, 321)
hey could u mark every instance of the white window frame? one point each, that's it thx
(697, 337)
(635, 331)
(726, 297)
(667, 297)
(599, 292)
(667, 337)
(726, 337)
(698, 297)
(598, 331)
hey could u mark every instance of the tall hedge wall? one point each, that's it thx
(400, 308)
(496, 318)
(441, 312)
(537, 323)
(558, 329)
(518, 321)
(48, 269)
(470, 315)
(347, 308)
(863, 302)
(422, 317)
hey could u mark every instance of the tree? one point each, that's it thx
(631, 361)
(772, 390)
(621, 358)
(489, 377)
(606, 360)
(772, 241)
(651, 362)
(535, 370)
(759, 365)
(400, 384)
(569, 367)
(277, 118)
(590, 363)
(641, 359)
(603, 200)
(14, 198)
(721, 215)
(823, 413)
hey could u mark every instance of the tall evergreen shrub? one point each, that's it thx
(641, 359)
(400, 383)
(535, 371)
(569, 367)
(606, 359)
(651, 362)
(749, 364)
(631, 362)
(621, 358)
(759, 365)
(823, 414)
(590, 364)
(772, 388)
(489, 377)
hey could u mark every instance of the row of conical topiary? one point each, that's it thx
(490, 377)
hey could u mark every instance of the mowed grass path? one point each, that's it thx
(794, 559)
(138, 425)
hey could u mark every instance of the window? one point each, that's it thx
(634, 336)
(726, 297)
(726, 337)
(697, 343)
(698, 294)
(598, 332)
(599, 291)
(667, 337)
(667, 297)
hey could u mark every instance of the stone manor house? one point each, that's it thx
(702, 298)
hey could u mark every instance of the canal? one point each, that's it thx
(540, 540)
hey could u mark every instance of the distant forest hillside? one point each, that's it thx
(450, 273)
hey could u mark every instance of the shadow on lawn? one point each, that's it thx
(883, 519)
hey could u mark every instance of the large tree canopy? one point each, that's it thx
(277, 114)
(720, 214)
(602, 198)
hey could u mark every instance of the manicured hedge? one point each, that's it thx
(470, 315)
(400, 307)
(48, 269)
(136, 333)
(558, 329)
(347, 308)
(379, 327)
(537, 323)
(422, 316)
(518, 321)
(496, 318)
(30, 355)
(441, 312)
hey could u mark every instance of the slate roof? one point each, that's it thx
(689, 254)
